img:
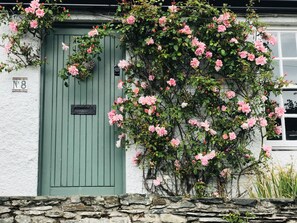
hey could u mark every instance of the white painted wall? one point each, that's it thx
(19, 133)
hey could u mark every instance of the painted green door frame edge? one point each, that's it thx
(41, 103)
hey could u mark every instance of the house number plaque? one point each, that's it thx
(83, 109)
(19, 84)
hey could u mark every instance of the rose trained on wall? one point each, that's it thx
(197, 88)
(32, 23)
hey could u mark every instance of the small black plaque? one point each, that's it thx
(83, 109)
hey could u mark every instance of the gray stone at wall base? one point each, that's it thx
(4, 210)
(22, 219)
(7, 220)
(169, 218)
(144, 209)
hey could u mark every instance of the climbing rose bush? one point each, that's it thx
(198, 87)
(28, 23)
(80, 64)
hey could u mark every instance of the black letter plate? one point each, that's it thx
(83, 109)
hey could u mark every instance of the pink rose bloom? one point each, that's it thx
(232, 135)
(123, 64)
(151, 77)
(73, 70)
(264, 98)
(120, 84)
(29, 10)
(175, 142)
(263, 122)
(221, 28)
(111, 114)
(13, 26)
(186, 30)
(279, 111)
(119, 100)
(171, 82)
(244, 126)
(224, 108)
(247, 156)
(130, 20)
(251, 57)
(157, 182)
(259, 46)
(135, 159)
(201, 48)
(193, 122)
(64, 47)
(278, 130)
(251, 122)
(244, 107)
(212, 132)
(223, 17)
(233, 40)
(172, 8)
(204, 161)
(267, 148)
(34, 4)
(136, 90)
(211, 155)
(143, 85)
(148, 100)
(205, 125)
(39, 13)
(162, 21)
(267, 154)
(243, 54)
(199, 156)
(149, 41)
(161, 131)
(194, 63)
(89, 50)
(261, 60)
(230, 94)
(208, 54)
(7, 47)
(272, 39)
(151, 128)
(225, 136)
(195, 41)
(93, 32)
(219, 65)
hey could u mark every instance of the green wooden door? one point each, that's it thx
(78, 153)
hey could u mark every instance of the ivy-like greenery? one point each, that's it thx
(28, 27)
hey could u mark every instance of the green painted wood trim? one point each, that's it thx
(42, 101)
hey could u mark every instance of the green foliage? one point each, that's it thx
(198, 85)
(277, 182)
(237, 218)
(28, 23)
(88, 49)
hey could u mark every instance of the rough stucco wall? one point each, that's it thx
(19, 132)
(133, 174)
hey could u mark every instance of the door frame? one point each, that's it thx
(71, 24)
